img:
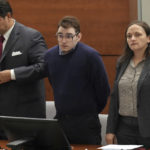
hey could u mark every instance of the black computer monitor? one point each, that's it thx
(45, 134)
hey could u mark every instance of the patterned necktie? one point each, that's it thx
(1, 44)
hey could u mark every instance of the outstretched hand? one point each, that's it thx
(5, 76)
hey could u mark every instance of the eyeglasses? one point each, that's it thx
(68, 37)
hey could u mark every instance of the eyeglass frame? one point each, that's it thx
(67, 38)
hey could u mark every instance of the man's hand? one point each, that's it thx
(110, 138)
(5, 76)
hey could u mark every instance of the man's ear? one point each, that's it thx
(79, 36)
(9, 15)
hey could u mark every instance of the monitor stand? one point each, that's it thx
(28, 144)
(20, 144)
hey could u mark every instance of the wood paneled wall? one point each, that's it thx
(103, 23)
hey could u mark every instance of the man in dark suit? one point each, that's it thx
(22, 90)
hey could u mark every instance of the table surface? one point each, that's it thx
(74, 147)
(85, 147)
(3, 144)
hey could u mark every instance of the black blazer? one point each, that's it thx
(23, 52)
(143, 100)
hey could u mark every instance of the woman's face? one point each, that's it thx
(137, 38)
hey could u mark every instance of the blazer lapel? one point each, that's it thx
(11, 41)
(143, 73)
(122, 69)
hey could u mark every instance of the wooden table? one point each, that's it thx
(3, 144)
(74, 147)
(85, 147)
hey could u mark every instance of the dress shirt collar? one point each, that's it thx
(7, 34)
(66, 52)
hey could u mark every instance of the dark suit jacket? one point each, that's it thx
(23, 52)
(143, 100)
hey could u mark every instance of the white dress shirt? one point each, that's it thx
(6, 36)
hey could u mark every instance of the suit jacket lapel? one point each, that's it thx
(143, 73)
(122, 69)
(11, 41)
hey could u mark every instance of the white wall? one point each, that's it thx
(144, 10)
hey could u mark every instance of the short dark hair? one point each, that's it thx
(70, 21)
(5, 8)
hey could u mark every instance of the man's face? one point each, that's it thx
(4, 24)
(67, 38)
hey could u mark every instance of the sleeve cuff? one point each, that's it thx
(13, 77)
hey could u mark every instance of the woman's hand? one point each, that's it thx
(110, 138)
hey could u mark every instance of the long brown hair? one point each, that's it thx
(128, 53)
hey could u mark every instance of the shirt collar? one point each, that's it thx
(66, 52)
(7, 34)
(133, 65)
